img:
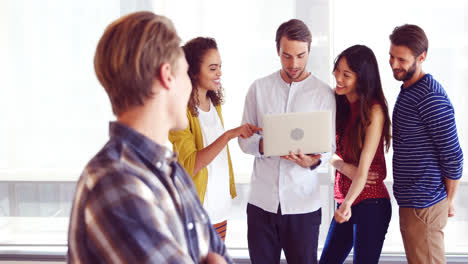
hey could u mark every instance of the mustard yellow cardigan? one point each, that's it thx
(186, 143)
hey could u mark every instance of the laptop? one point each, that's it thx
(310, 132)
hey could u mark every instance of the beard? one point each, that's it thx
(408, 73)
(298, 75)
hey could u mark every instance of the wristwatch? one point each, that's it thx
(313, 167)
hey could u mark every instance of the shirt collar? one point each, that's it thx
(425, 78)
(150, 150)
(280, 79)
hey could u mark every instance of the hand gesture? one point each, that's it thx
(350, 170)
(213, 258)
(372, 178)
(451, 209)
(343, 213)
(303, 160)
(244, 131)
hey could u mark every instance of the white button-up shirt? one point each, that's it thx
(274, 180)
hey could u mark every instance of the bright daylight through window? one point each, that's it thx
(55, 113)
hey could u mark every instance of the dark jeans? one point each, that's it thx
(365, 231)
(296, 234)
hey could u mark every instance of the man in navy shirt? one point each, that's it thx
(427, 159)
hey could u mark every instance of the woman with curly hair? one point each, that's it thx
(203, 146)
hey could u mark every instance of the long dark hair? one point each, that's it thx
(194, 51)
(361, 60)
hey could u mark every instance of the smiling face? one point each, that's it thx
(403, 63)
(210, 71)
(346, 80)
(293, 54)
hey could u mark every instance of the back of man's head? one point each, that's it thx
(129, 55)
(293, 29)
(410, 36)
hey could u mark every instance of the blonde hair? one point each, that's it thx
(129, 55)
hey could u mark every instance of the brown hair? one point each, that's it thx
(129, 55)
(410, 36)
(293, 29)
(194, 51)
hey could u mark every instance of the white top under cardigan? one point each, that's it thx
(217, 197)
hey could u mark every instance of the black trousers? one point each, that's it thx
(296, 234)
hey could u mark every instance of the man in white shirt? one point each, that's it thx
(284, 202)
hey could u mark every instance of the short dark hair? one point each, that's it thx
(293, 29)
(194, 51)
(410, 36)
(129, 55)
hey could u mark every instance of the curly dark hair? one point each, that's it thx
(194, 51)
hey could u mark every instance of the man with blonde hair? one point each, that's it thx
(134, 203)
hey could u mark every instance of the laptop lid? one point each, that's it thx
(310, 132)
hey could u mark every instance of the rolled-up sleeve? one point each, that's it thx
(251, 145)
(330, 105)
(438, 116)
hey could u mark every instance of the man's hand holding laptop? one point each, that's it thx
(303, 160)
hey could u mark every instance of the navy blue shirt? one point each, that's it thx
(425, 144)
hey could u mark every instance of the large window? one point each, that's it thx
(54, 113)
(446, 25)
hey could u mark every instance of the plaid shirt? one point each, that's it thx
(135, 204)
